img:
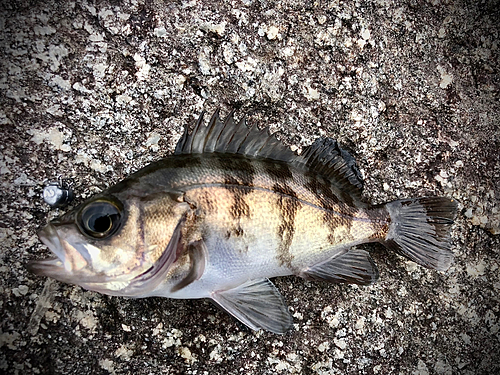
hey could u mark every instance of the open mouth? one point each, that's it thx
(67, 259)
(54, 264)
(67, 264)
(70, 261)
(50, 238)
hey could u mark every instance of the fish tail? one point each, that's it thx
(420, 230)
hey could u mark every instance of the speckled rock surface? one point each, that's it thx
(97, 90)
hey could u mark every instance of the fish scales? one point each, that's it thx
(231, 208)
(280, 207)
(288, 193)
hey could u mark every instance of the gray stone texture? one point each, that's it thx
(97, 90)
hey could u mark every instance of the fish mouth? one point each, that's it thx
(70, 261)
(50, 238)
(47, 267)
(59, 265)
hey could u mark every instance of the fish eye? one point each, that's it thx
(99, 219)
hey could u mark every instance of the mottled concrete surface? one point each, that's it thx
(96, 90)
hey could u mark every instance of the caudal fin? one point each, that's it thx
(419, 230)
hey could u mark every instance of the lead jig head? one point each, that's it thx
(58, 193)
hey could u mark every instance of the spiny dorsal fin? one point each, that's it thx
(323, 157)
(230, 137)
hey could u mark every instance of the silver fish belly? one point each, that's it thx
(231, 208)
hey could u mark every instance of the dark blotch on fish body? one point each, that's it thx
(236, 231)
(334, 221)
(279, 171)
(322, 192)
(240, 169)
(288, 205)
(240, 207)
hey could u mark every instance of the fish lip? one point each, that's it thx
(53, 265)
(50, 238)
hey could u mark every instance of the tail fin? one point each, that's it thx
(419, 230)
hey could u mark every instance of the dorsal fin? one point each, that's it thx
(323, 157)
(229, 137)
(326, 158)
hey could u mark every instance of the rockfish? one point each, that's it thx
(231, 208)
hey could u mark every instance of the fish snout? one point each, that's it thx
(52, 266)
(50, 238)
(66, 259)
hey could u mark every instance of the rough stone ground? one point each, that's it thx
(96, 90)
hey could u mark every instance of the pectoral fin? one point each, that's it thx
(197, 254)
(352, 267)
(257, 304)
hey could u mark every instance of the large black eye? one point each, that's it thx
(100, 219)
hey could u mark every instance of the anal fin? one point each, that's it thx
(352, 267)
(257, 304)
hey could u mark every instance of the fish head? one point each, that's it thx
(112, 245)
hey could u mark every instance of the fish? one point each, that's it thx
(231, 208)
